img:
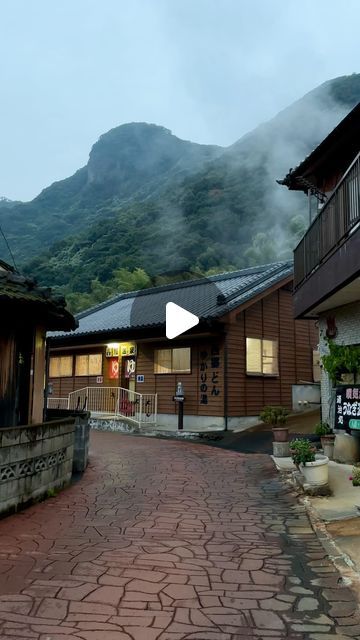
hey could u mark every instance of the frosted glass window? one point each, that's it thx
(172, 360)
(181, 360)
(88, 365)
(253, 355)
(162, 361)
(61, 366)
(262, 357)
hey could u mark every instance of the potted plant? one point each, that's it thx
(327, 438)
(355, 477)
(313, 466)
(276, 417)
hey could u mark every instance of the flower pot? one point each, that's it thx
(316, 473)
(328, 443)
(280, 434)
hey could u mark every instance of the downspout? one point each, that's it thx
(226, 381)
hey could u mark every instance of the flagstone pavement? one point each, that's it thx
(165, 540)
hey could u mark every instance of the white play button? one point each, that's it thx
(178, 320)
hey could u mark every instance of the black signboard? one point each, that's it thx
(347, 407)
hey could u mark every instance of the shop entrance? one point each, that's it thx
(128, 365)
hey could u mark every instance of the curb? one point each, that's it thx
(349, 575)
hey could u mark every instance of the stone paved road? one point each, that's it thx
(169, 540)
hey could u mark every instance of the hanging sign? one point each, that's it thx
(113, 368)
(130, 365)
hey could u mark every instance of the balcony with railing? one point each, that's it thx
(332, 225)
(337, 222)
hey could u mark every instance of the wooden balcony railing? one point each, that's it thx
(336, 220)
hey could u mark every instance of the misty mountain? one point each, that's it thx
(148, 200)
(128, 163)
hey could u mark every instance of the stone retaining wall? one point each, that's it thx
(33, 460)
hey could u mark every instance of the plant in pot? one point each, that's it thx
(327, 438)
(341, 359)
(276, 417)
(355, 477)
(313, 466)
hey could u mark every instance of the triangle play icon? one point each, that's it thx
(178, 320)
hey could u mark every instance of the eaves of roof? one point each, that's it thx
(209, 299)
(295, 179)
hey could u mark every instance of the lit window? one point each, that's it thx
(88, 365)
(262, 357)
(172, 360)
(61, 366)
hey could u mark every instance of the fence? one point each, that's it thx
(140, 408)
(58, 403)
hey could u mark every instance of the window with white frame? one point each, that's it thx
(172, 360)
(262, 357)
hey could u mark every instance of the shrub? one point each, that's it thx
(355, 478)
(274, 415)
(322, 429)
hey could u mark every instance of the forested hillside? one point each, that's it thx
(149, 206)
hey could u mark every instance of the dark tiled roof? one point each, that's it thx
(208, 298)
(348, 126)
(19, 291)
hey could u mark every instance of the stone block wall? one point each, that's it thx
(34, 459)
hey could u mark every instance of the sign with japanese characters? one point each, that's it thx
(113, 369)
(209, 373)
(347, 407)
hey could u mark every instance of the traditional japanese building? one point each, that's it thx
(246, 352)
(27, 312)
(327, 259)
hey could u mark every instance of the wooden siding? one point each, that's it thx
(61, 387)
(162, 384)
(271, 318)
(165, 384)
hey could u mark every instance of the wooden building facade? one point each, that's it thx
(27, 313)
(246, 352)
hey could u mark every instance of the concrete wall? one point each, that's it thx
(81, 442)
(348, 326)
(305, 396)
(33, 460)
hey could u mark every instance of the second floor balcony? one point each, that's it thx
(327, 259)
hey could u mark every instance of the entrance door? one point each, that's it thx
(128, 364)
(128, 400)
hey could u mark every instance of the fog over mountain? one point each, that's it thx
(149, 201)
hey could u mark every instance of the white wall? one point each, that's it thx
(347, 320)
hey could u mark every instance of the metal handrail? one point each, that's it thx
(333, 224)
(140, 408)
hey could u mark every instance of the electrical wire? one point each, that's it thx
(8, 247)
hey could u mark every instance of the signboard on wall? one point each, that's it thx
(347, 407)
(113, 370)
(209, 374)
(130, 366)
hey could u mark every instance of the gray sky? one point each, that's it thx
(209, 70)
